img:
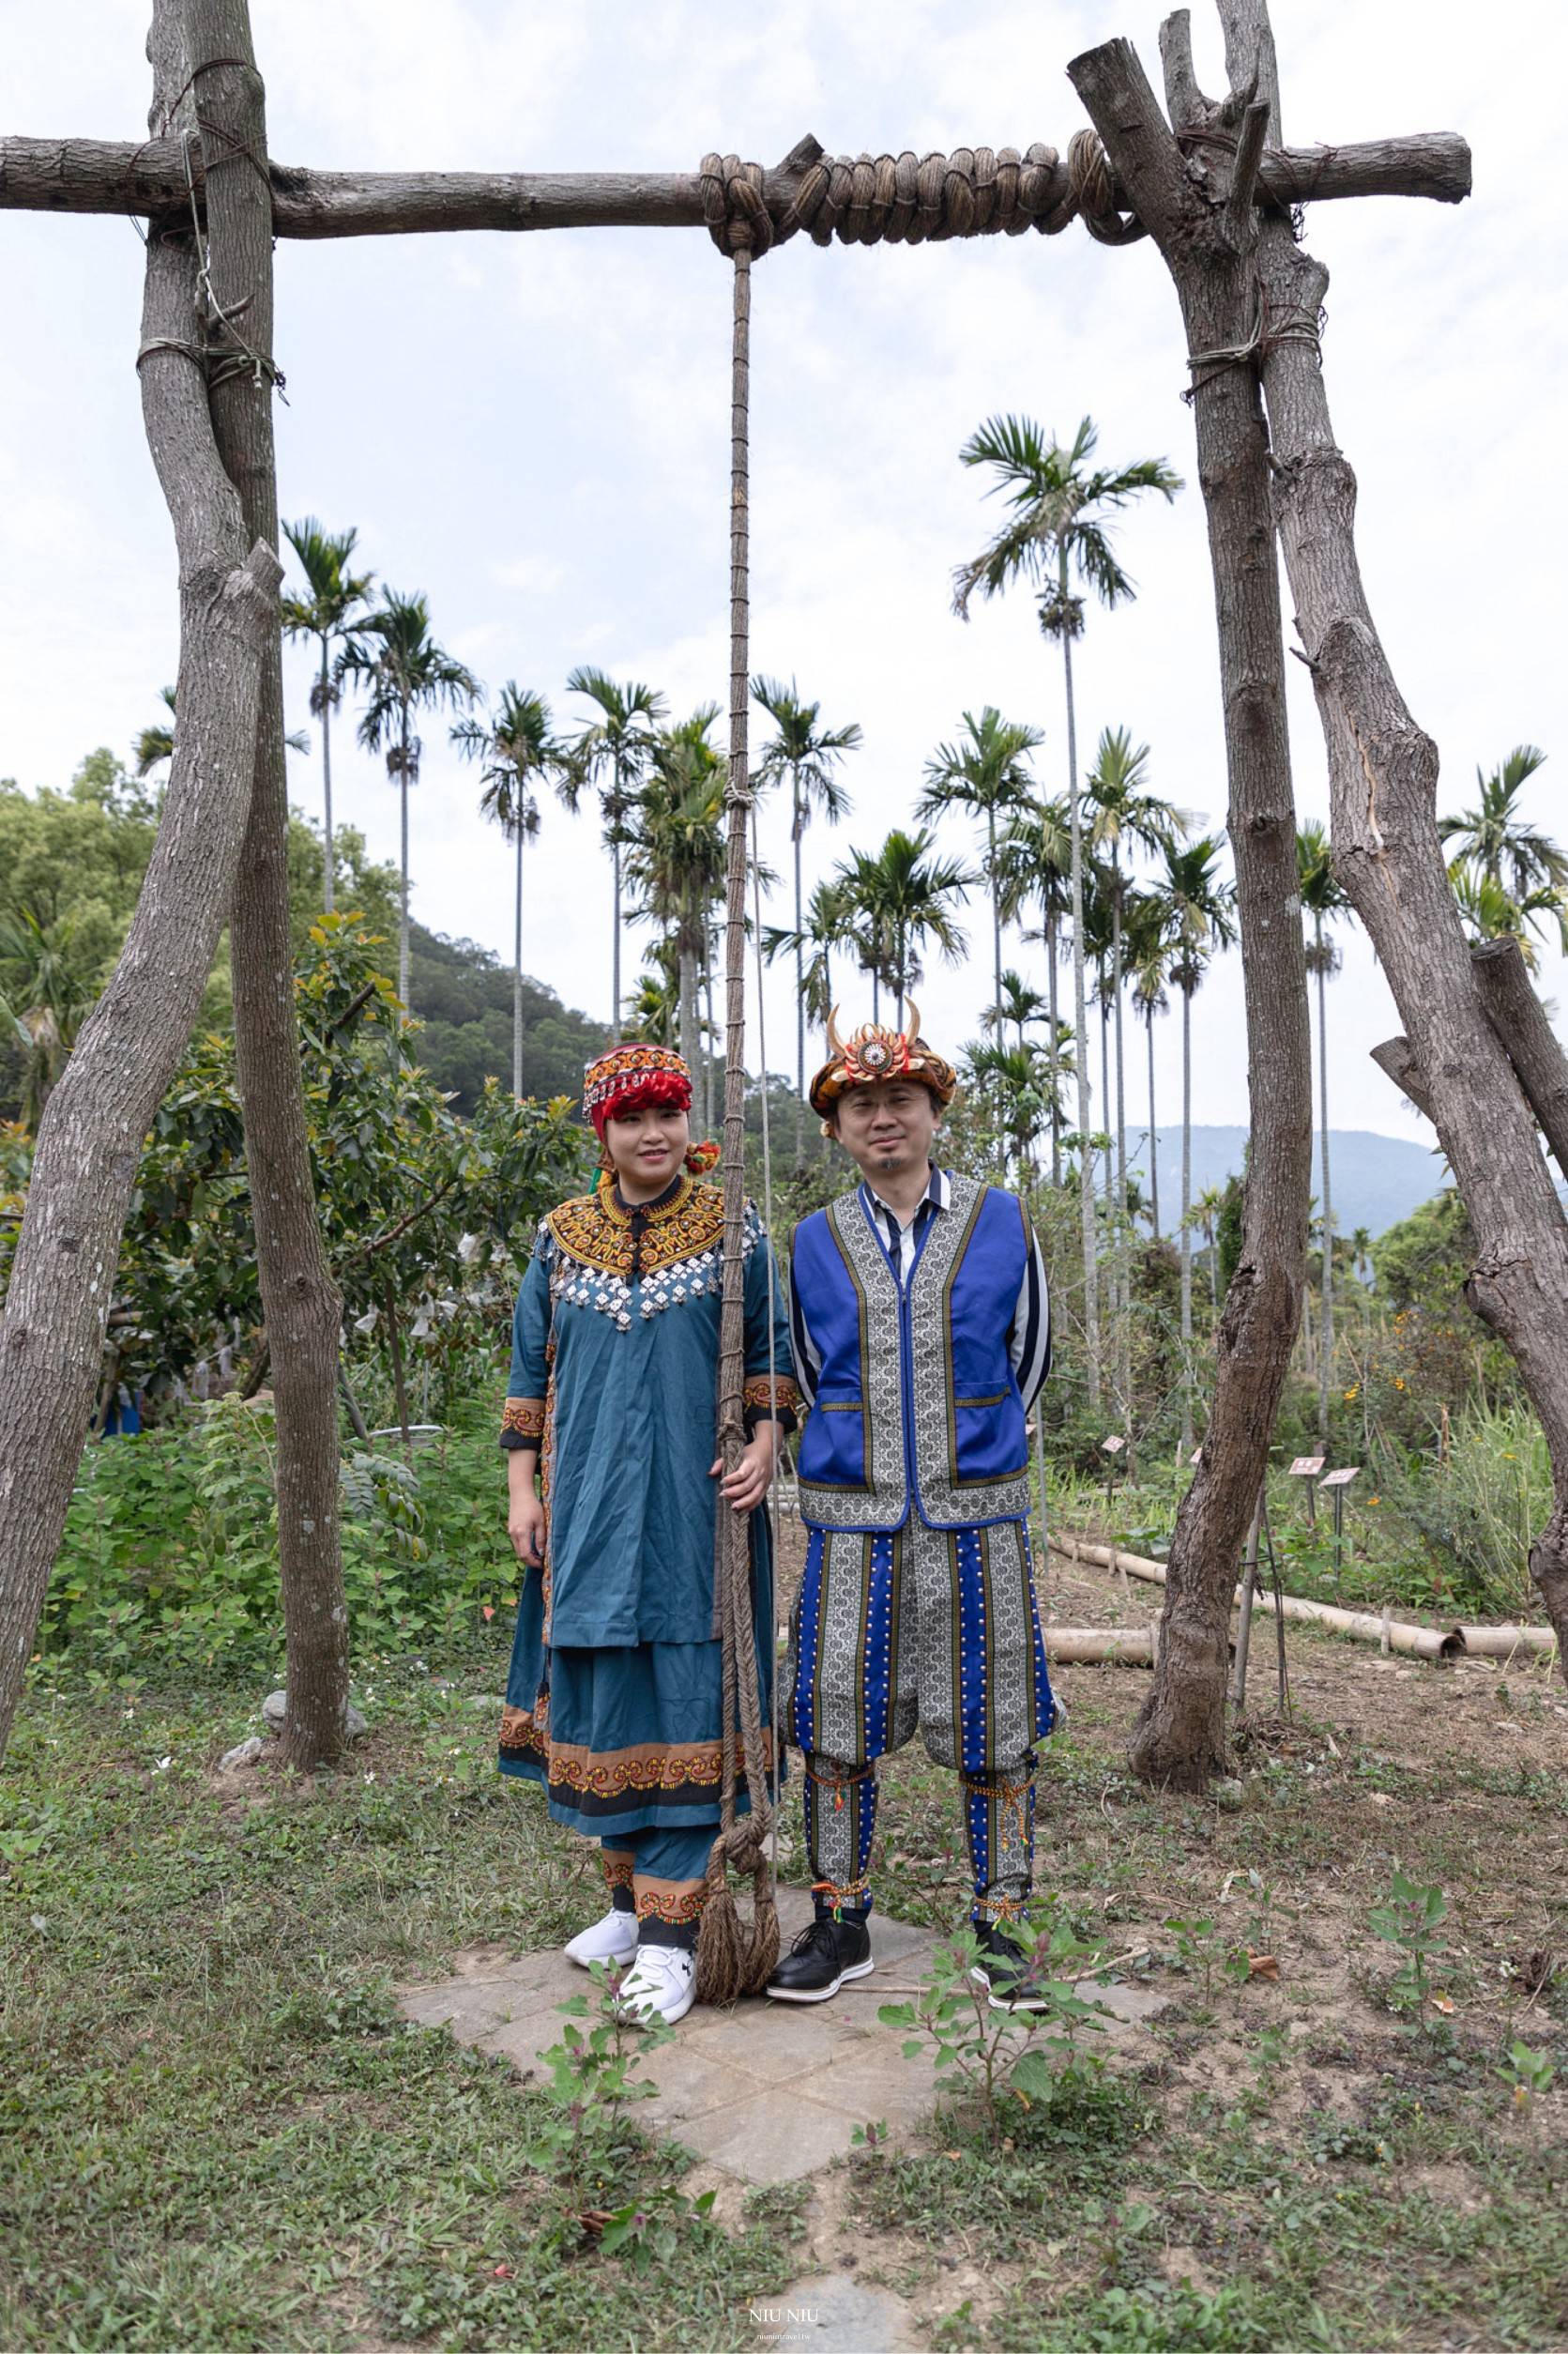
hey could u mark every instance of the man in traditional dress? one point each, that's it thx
(613, 1701)
(921, 1335)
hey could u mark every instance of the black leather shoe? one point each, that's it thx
(819, 1961)
(1004, 1970)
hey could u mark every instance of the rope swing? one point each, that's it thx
(909, 199)
(734, 1958)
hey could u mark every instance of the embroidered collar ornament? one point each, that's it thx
(873, 1053)
(627, 1078)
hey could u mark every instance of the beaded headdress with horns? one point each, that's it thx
(873, 1053)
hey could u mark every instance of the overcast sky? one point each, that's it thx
(534, 429)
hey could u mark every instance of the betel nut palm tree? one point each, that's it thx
(985, 773)
(155, 743)
(1198, 914)
(807, 754)
(334, 595)
(1034, 859)
(1124, 817)
(1056, 537)
(393, 655)
(828, 923)
(675, 858)
(1148, 949)
(518, 746)
(901, 899)
(613, 754)
(1489, 910)
(1323, 898)
(1496, 841)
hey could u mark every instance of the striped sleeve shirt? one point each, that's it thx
(1029, 1332)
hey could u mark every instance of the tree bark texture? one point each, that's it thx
(1382, 784)
(1208, 243)
(90, 175)
(1520, 1018)
(90, 1137)
(301, 1302)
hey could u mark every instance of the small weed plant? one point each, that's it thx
(1531, 2074)
(1410, 1918)
(1204, 1951)
(594, 2079)
(1001, 2059)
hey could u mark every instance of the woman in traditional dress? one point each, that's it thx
(613, 1697)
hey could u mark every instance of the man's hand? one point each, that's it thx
(747, 1484)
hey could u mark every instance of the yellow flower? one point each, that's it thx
(1375, 1499)
(1353, 1392)
(1398, 1382)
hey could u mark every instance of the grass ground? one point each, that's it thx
(218, 2135)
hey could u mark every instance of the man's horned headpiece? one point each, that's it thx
(875, 1053)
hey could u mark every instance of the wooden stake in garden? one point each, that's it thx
(1211, 186)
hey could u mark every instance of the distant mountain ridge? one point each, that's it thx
(1377, 1180)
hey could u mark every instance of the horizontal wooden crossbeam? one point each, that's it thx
(95, 176)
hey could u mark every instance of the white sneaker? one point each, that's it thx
(612, 1939)
(661, 1983)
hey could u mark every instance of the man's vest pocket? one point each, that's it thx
(833, 1445)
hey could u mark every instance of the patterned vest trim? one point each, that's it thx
(917, 1400)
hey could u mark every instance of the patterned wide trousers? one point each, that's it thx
(931, 1628)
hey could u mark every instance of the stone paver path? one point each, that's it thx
(719, 2081)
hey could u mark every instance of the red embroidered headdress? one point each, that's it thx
(873, 1053)
(629, 1077)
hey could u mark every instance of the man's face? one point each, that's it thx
(888, 1128)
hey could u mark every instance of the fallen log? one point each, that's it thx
(1100, 1646)
(1421, 1642)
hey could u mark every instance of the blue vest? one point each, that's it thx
(917, 1404)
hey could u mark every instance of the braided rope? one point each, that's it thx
(733, 1959)
(921, 200)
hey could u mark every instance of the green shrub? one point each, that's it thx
(170, 1552)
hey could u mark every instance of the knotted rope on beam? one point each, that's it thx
(921, 200)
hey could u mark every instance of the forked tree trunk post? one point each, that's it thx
(1382, 784)
(89, 1141)
(300, 1300)
(1209, 243)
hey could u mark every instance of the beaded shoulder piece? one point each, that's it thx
(595, 1230)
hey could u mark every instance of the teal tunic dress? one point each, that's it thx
(614, 1694)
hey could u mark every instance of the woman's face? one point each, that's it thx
(647, 1147)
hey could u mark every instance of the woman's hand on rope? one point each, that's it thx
(744, 1487)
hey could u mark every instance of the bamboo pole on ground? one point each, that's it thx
(1426, 1643)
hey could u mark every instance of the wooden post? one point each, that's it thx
(302, 1303)
(89, 1139)
(1382, 784)
(1209, 247)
